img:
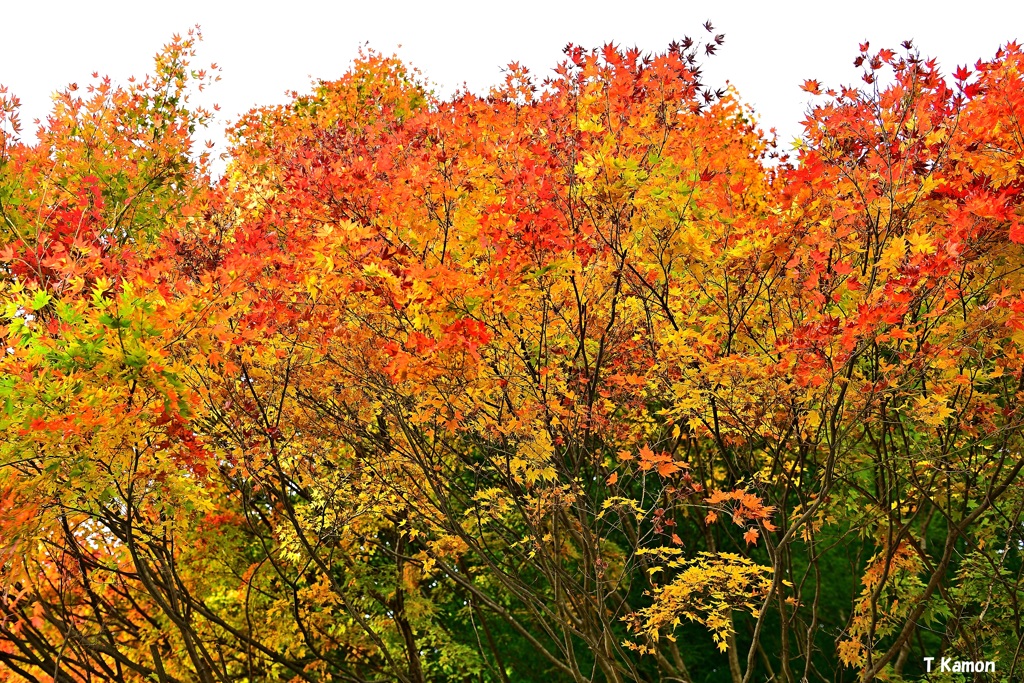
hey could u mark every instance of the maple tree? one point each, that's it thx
(579, 379)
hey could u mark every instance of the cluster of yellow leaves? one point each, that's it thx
(707, 590)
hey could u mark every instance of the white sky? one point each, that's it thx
(265, 49)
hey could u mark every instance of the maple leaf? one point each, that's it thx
(811, 86)
(1016, 232)
(666, 469)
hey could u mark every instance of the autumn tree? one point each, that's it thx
(577, 380)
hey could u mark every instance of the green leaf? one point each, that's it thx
(41, 299)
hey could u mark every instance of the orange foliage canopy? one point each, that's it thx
(512, 386)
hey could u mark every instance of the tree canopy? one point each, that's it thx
(583, 379)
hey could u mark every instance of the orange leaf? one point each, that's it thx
(666, 469)
(811, 86)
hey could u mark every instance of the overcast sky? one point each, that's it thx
(265, 49)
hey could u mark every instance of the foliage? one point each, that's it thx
(578, 380)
